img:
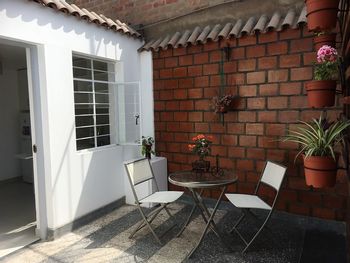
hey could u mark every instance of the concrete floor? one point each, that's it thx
(293, 239)
(17, 216)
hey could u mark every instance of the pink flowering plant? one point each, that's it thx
(326, 67)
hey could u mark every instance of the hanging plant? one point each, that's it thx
(321, 91)
(222, 104)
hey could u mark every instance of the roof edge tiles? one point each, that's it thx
(89, 16)
(253, 25)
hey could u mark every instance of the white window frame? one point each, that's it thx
(118, 123)
(112, 136)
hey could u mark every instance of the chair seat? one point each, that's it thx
(247, 201)
(162, 197)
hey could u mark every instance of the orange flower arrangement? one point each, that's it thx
(201, 145)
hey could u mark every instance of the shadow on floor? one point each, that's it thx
(291, 238)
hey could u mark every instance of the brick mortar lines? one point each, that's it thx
(246, 158)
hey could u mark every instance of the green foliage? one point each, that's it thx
(201, 145)
(319, 137)
(326, 71)
(147, 143)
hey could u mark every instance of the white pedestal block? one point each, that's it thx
(160, 170)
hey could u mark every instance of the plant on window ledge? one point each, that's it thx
(321, 91)
(201, 146)
(147, 143)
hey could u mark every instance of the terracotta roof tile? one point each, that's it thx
(274, 22)
(90, 16)
(236, 28)
(226, 30)
(183, 40)
(214, 33)
(203, 35)
(254, 25)
(260, 26)
(193, 37)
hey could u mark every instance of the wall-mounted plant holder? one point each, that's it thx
(222, 104)
(227, 51)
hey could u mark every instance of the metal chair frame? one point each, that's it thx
(147, 218)
(246, 211)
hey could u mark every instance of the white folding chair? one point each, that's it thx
(273, 175)
(138, 172)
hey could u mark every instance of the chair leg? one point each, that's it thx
(258, 219)
(237, 223)
(139, 226)
(154, 234)
(152, 215)
(258, 232)
(167, 211)
(142, 224)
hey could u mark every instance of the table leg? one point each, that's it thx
(198, 204)
(209, 222)
(187, 221)
(198, 200)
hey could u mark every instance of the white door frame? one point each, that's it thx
(33, 72)
(36, 91)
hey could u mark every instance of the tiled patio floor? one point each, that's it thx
(291, 239)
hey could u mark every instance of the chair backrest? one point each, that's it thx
(273, 174)
(139, 171)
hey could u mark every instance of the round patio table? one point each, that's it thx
(196, 182)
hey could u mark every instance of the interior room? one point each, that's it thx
(17, 198)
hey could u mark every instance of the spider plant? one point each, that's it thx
(318, 138)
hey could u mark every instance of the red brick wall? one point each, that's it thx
(268, 72)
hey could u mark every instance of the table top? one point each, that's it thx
(191, 179)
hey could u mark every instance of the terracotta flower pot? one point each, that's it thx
(328, 39)
(320, 171)
(321, 93)
(321, 14)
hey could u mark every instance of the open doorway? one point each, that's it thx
(17, 197)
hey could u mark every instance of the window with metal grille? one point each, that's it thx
(93, 92)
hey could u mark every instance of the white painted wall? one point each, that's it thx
(74, 183)
(9, 123)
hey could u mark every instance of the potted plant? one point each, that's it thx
(221, 104)
(318, 140)
(321, 91)
(201, 146)
(321, 14)
(324, 38)
(146, 149)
